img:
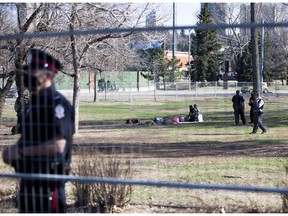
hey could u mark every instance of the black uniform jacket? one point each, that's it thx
(48, 115)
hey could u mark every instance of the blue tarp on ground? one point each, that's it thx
(146, 45)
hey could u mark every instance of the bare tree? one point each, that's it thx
(101, 52)
(15, 51)
(108, 50)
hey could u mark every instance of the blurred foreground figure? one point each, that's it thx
(46, 137)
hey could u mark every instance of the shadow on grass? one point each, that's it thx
(249, 148)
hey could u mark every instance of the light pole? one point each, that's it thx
(173, 44)
(189, 54)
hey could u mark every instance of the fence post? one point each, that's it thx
(196, 89)
(176, 96)
(215, 93)
(105, 95)
(155, 84)
(130, 92)
(276, 88)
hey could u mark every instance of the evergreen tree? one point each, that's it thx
(156, 66)
(274, 62)
(153, 63)
(205, 49)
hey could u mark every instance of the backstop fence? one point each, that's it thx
(182, 90)
(156, 166)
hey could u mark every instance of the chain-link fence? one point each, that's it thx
(161, 166)
(177, 91)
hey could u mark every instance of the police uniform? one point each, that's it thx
(238, 106)
(49, 114)
(257, 116)
(251, 104)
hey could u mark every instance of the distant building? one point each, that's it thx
(218, 15)
(217, 11)
(245, 17)
(266, 12)
(182, 56)
(151, 19)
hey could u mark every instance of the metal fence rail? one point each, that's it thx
(87, 179)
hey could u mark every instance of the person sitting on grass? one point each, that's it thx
(193, 115)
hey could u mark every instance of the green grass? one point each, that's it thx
(223, 172)
(215, 111)
(214, 151)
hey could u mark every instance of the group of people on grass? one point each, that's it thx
(193, 116)
(256, 104)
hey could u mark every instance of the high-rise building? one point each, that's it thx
(245, 17)
(217, 11)
(264, 13)
(151, 19)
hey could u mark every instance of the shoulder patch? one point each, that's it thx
(59, 111)
(57, 97)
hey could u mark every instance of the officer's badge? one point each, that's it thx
(59, 111)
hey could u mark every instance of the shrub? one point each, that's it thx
(105, 197)
(285, 196)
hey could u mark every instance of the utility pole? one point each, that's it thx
(173, 43)
(255, 53)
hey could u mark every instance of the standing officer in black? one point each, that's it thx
(251, 104)
(46, 138)
(239, 108)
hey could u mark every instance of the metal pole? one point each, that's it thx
(173, 42)
(262, 59)
(189, 61)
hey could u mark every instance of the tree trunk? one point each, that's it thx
(255, 53)
(76, 100)
(76, 89)
(4, 92)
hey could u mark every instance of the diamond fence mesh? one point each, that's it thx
(131, 155)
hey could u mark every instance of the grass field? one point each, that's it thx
(211, 152)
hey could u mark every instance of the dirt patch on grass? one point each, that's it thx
(153, 149)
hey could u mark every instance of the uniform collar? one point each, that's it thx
(43, 93)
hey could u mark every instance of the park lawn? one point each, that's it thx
(213, 151)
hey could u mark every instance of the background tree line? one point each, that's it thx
(111, 52)
(211, 48)
(105, 52)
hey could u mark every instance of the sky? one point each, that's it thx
(186, 13)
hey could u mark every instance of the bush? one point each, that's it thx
(285, 197)
(105, 197)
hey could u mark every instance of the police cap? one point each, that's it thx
(38, 59)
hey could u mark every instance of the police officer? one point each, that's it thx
(239, 108)
(46, 138)
(251, 104)
(257, 114)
